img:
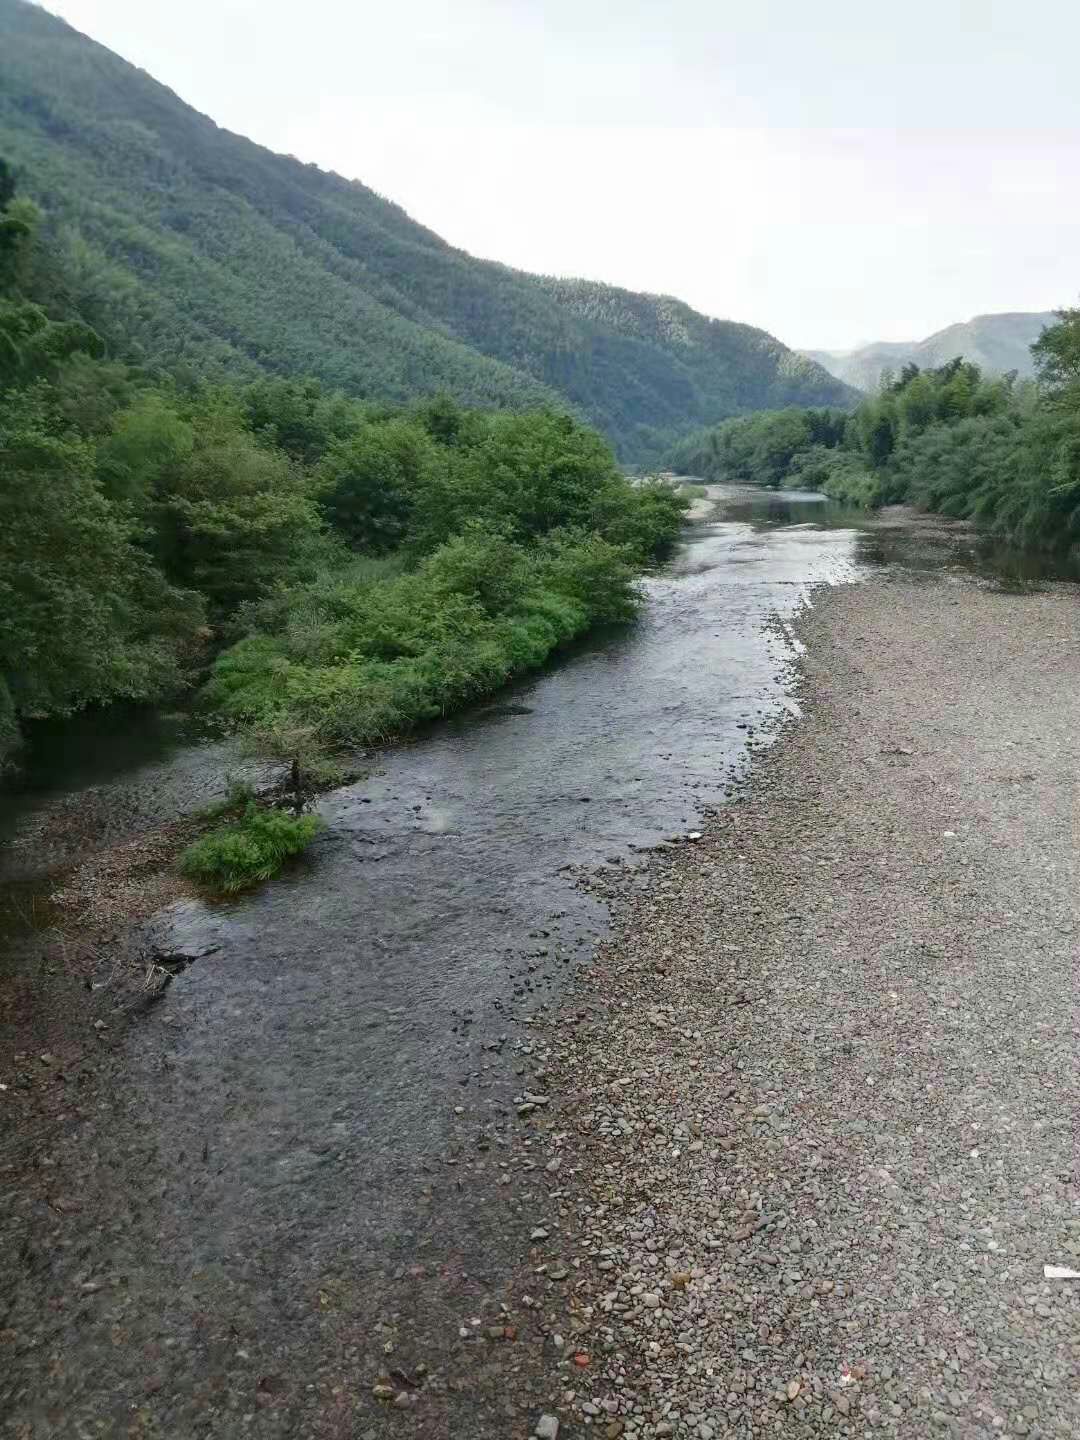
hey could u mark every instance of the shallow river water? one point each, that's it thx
(283, 1115)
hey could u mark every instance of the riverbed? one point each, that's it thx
(295, 1161)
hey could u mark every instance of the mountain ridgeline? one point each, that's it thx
(183, 243)
(998, 344)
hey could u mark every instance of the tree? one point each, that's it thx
(148, 442)
(18, 225)
(7, 184)
(368, 484)
(299, 416)
(876, 423)
(917, 403)
(84, 616)
(1057, 352)
(231, 517)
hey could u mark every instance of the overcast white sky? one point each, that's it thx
(832, 170)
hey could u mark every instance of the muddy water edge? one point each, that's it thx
(306, 1171)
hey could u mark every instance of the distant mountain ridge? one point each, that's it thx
(185, 243)
(997, 343)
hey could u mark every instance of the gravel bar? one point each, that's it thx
(816, 1130)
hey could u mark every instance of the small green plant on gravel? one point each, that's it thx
(252, 849)
(238, 796)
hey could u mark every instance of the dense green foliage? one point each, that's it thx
(757, 449)
(250, 849)
(375, 566)
(520, 533)
(950, 439)
(351, 660)
(184, 244)
(514, 534)
(84, 614)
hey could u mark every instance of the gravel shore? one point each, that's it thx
(817, 1129)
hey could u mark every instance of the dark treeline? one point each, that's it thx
(348, 568)
(1002, 453)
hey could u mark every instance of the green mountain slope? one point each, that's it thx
(996, 343)
(185, 242)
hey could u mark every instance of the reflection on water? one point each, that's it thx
(104, 776)
(775, 508)
(96, 746)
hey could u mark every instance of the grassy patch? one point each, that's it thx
(238, 796)
(252, 849)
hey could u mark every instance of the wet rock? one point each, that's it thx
(181, 934)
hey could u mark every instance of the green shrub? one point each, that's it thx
(850, 482)
(252, 849)
(238, 796)
(374, 658)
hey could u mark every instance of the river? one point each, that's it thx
(257, 1177)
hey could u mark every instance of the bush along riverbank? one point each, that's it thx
(988, 449)
(515, 534)
(253, 847)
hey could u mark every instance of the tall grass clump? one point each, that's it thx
(251, 849)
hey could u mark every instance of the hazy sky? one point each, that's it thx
(834, 171)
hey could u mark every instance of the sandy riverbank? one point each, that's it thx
(822, 1138)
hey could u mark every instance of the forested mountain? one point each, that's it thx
(182, 242)
(996, 343)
